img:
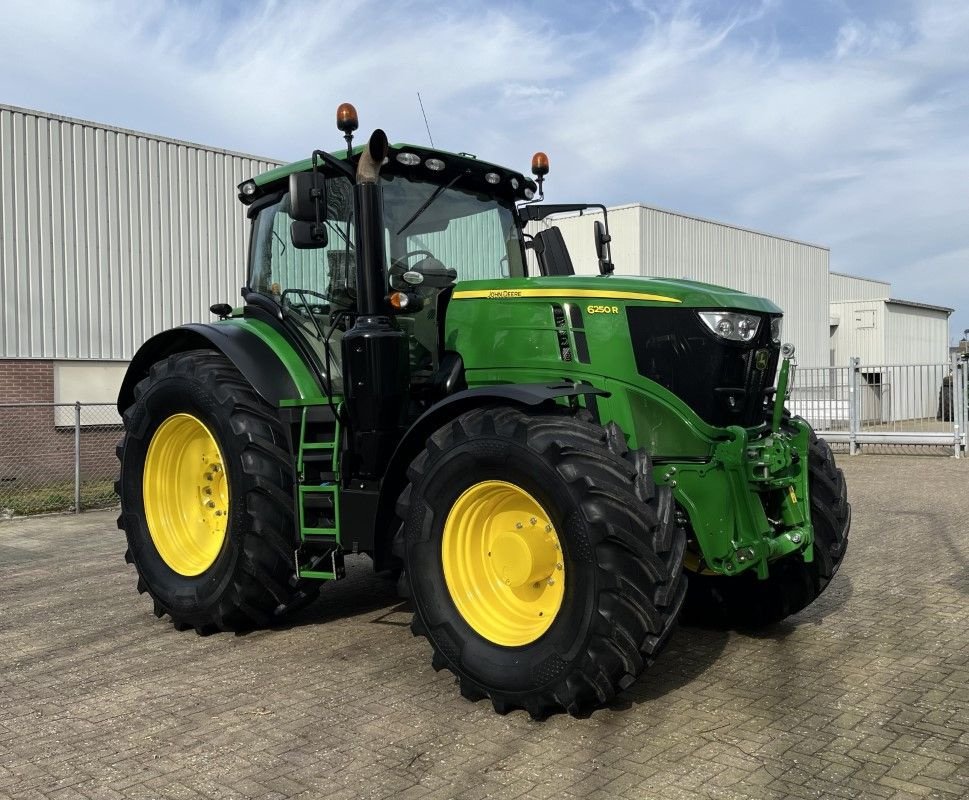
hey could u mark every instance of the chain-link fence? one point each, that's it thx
(57, 457)
(887, 407)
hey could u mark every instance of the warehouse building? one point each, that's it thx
(867, 323)
(902, 349)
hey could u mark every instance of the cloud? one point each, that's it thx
(839, 126)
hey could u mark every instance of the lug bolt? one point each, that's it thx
(215, 467)
(210, 503)
(218, 513)
(550, 581)
(548, 528)
(208, 490)
(673, 484)
(533, 520)
(559, 565)
(519, 525)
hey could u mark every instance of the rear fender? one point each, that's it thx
(255, 359)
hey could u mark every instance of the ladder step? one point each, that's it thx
(321, 560)
(318, 500)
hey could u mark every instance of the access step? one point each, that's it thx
(320, 558)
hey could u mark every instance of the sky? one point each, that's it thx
(838, 122)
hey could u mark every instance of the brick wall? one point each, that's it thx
(37, 449)
(26, 381)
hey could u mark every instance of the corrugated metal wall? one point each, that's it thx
(109, 236)
(916, 335)
(890, 332)
(860, 332)
(649, 241)
(851, 287)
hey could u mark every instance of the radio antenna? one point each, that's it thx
(424, 113)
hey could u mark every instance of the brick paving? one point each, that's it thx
(865, 694)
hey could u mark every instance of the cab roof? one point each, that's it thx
(479, 174)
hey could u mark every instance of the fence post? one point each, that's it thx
(77, 457)
(959, 403)
(964, 433)
(854, 423)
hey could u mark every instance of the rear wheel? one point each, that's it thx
(542, 561)
(206, 496)
(744, 601)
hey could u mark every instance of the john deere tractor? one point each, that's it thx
(556, 466)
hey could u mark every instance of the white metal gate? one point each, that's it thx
(891, 404)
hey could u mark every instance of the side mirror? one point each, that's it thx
(307, 235)
(307, 207)
(307, 196)
(603, 251)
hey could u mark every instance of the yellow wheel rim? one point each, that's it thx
(186, 494)
(503, 563)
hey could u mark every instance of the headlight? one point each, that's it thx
(775, 329)
(731, 325)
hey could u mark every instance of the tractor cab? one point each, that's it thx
(445, 217)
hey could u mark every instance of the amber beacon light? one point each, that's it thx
(346, 118)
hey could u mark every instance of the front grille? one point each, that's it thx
(724, 382)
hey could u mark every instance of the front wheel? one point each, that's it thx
(542, 561)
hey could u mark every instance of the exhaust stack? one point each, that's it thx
(375, 354)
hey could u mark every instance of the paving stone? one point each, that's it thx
(864, 694)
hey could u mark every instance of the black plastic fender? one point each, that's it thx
(413, 441)
(250, 355)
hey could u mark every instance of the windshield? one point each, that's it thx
(473, 235)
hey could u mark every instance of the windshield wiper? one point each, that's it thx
(339, 232)
(434, 195)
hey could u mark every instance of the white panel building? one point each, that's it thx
(867, 323)
(652, 241)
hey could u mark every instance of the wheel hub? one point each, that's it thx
(503, 563)
(521, 559)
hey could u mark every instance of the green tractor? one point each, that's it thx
(556, 466)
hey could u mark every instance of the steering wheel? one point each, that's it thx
(400, 266)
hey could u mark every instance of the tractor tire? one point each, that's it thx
(206, 494)
(743, 601)
(539, 488)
